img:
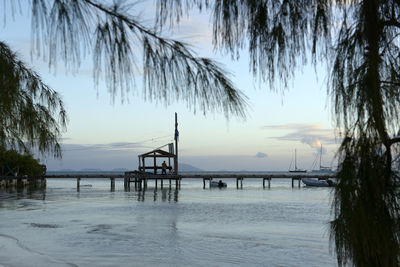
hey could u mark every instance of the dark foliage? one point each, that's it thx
(32, 115)
(13, 163)
(124, 48)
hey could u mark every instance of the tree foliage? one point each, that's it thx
(32, 115)
(124, 48)
(359, 42)
(14, 163)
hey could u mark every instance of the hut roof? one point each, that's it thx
(159, 153)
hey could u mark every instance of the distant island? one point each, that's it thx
(184, 167)
(90, 170)
(120, 170)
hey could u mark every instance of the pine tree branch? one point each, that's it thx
(180, 72)
(32, 115)
(391, 23)
(394, 140)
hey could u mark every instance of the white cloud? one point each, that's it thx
(311, 140)
(311, 134)
(232, 163)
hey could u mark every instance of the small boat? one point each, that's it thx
(322, 169)
(219, 184)
(317, 183)
(295, 164)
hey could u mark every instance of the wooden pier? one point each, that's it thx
(141, 180)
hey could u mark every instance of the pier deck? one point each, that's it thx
(140, 180)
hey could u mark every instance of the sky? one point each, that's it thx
(102, 134)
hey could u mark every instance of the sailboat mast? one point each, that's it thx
(320, 158)
(295, 159)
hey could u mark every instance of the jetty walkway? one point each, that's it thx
(141, 180)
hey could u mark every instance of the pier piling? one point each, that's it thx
(269, 181)
(112, 184)
(298, 178)
(237, 182)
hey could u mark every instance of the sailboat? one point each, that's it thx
(322, 169)
(295, 164)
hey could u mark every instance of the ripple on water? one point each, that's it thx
(44, 225)
(100, 228)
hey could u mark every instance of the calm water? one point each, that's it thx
(280, 226)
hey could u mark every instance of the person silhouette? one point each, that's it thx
(164, 168)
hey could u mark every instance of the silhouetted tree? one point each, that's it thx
(14, 163)
(359, 42)
(32, 115)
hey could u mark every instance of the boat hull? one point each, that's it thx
(317, 183)
(217, 184)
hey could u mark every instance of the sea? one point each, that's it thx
(192, 226)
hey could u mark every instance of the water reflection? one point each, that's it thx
(169, 195)
(23, 193)
(152, 194)
(21, 198)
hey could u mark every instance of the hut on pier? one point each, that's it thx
(145, 165)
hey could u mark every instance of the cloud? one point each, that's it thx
(115, 146)
(290, 126)
(231, 163)
(311, 134)
(311, 140)
(124, 145)
(100, 156)
(261, 155)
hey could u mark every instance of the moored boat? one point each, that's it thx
(322, 169)
(295, 164)
(317, 183)
(219, 184)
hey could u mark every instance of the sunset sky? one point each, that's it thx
(107, 135)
